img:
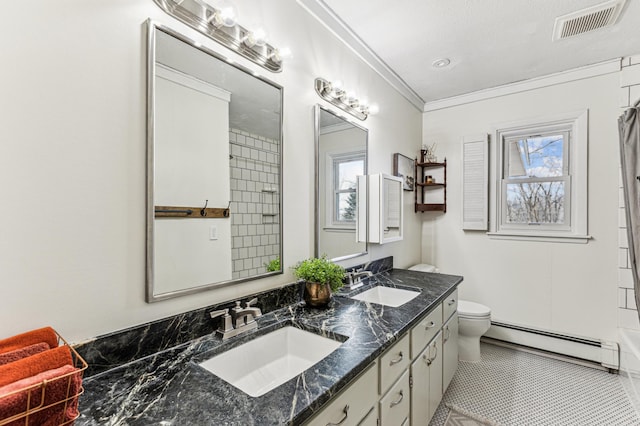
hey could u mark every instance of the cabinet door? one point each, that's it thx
(435, 375)
(449, 350)
(385, 208)
(352, 404)
(426, 390)
(371, 419)
(395, 405)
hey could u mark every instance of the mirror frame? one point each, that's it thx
(151, 28)
(318, 110)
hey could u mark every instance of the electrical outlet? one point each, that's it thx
(213, 233)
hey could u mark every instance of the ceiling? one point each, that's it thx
(489, 42)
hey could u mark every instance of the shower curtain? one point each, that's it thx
(629, 127)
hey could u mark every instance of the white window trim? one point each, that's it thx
(578, 122)
(331, 224)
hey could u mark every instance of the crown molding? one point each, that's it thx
(601, 68)
(327, 17)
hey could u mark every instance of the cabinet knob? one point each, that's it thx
(430, 325)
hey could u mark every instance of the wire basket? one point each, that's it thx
(52, 401)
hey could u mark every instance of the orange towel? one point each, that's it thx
(35, 364)
(7, 357)
(46, 335)
(60, 398)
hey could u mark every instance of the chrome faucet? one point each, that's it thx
(354, 278)
(238, 319)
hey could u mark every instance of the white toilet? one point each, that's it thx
(474, 320)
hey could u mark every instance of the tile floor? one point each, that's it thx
(518, 388)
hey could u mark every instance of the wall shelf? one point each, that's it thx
(191, 212)
(425, 191)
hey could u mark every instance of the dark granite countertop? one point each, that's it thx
(169, 388)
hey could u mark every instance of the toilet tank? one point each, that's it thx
(423, 267)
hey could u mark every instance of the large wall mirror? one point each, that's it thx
(214, 169)
(341, 207)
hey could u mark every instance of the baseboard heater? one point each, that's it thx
(598, 351)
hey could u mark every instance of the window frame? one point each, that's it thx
(575, 124)
(565, 131)
(333, 161)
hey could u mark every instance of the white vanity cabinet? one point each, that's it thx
(406, 383)
(385, 208)
(355, 405)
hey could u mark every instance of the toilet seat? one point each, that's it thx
(472, 310)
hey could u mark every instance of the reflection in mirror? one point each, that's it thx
(214, 170)
(341, 156)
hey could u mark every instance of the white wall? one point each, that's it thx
(191, 165)
(72, 159)
(566, 288)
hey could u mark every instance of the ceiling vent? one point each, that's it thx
(589, 19)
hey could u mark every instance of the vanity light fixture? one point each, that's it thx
(217, 19)
(335, 94)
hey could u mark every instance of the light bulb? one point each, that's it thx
(336, 89)
(229, 16)
(224, 13)
(260, 35)
(374, 109)
(279, 54)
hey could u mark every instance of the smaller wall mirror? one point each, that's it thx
(341, 207)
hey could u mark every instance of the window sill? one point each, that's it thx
(541, 237)
(339, 229)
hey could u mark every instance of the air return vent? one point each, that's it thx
(589, 19)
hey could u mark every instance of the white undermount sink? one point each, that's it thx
(387, 296)
(258, 366)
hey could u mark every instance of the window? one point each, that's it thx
(346, 168)
(541, 188)
(536, 181)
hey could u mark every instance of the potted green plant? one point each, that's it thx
(321, 277)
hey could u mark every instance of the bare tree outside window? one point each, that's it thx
(535, 179)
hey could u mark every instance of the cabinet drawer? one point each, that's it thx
(393, 362)
(395, 405)
(352, 404)
(450, 305)
(422, 333)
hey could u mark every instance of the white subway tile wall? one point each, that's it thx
(255, 202)
(627, 309)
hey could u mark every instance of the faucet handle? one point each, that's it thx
(216, 314)
(251, 302)
(226, 324)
